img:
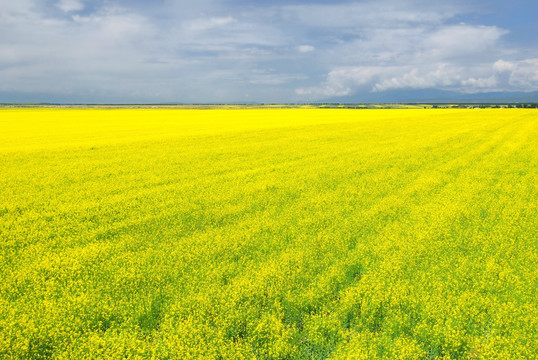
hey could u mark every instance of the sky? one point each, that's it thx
(235, 51)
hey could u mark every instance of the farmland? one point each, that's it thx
(268, 233)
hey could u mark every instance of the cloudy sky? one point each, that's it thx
(262, 51)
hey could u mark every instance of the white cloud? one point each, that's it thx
(306, 48)
(273, 79)
(79, 52)
(498, 76)
(462, 40)
(452, 57)
(521, 74)
(488, 83)
(70, 5)
(10, 7)
(195, 51)
(501, 65)
(381, 13)
(209, 23)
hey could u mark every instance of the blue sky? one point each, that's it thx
(272, 51)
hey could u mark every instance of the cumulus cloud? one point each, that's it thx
(205, 50)
(459, 57)
(306, 48)
(521, 74)
(502, 66)
(79, 52)
(498, 76)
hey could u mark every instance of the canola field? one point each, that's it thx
(268, 234)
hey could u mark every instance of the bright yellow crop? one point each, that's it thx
(269, 234)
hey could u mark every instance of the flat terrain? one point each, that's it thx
(269, 234)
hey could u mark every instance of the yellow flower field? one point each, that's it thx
(268, 234)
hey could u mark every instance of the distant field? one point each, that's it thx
(268, 234)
